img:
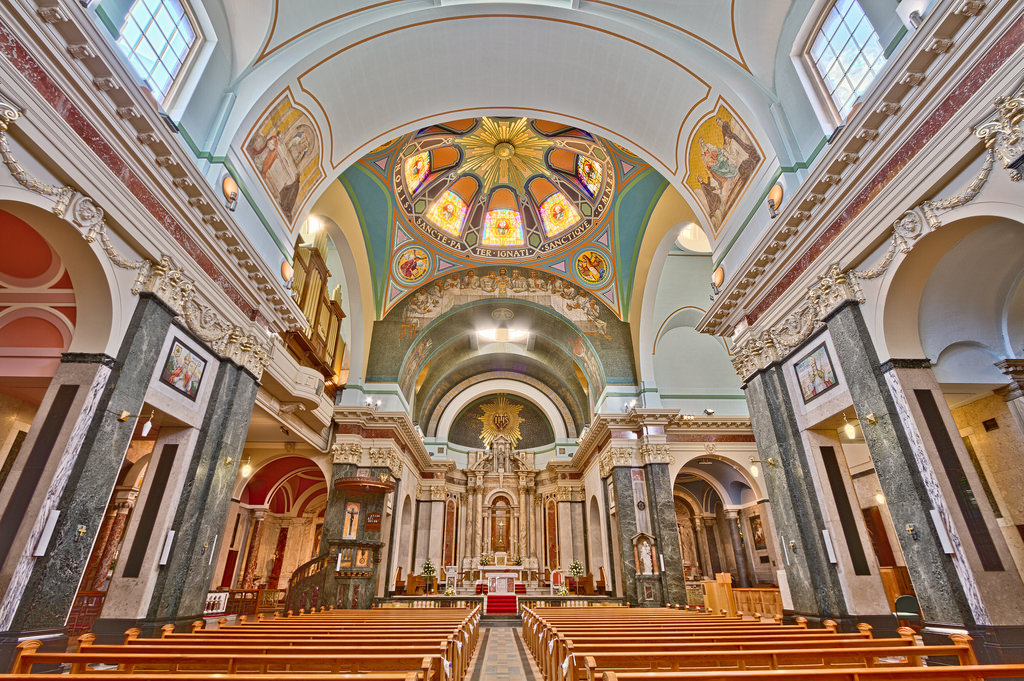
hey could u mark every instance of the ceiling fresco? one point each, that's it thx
(520, 194)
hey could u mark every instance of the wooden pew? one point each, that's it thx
(951, 673)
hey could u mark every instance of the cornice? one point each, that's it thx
(403, 430)
(908, 92)
(85, 69)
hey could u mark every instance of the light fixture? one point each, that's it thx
(146, 427)
(246, 468)
(230, 189)
(287, 271)
(775, 200)
(378, 404)
(879, 497)
(753, 464)
(850, 430)
(628, 407)
(503, 334)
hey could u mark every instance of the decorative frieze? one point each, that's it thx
(840, 285)
(389, 458)
(164, 279)
(650, 453)
(346, 452)
(615, 456)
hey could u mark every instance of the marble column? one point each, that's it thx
(478, 519)
(112, 542)
(662, 511)
(180, 588)
(946, 588)
(467, 521)
(521, 500)
(739, 551)
(76, 455)
(625, 511)
(703, 550)
(814, 583)
(252, 555)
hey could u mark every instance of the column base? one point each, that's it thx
(111, 630)
(54, 641)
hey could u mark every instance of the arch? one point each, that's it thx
(597, 550)
(97, 285)
(543, 401)
(405, 535)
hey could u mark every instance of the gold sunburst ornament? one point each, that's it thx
(500, 417)
(504, 152)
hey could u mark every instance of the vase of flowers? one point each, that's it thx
(576, 570)
(429, 571)
(562, 591)
(485, 558)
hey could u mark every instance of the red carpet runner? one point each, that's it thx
(501, 604)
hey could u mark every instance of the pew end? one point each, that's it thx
(85, 640)
(165, 631)
(21, 665)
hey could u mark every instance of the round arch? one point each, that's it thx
(509, 387)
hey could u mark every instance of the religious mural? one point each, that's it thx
(528, 423)
(183, 369)
(815, 373)
(722, 159)
(284, 150)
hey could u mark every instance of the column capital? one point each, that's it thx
(732, 513)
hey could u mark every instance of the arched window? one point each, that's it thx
(845, 56)
(157, 39)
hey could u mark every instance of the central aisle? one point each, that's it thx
(502, 655)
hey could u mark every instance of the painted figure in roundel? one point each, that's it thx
(412, 264)
(591, 266)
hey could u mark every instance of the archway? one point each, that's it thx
(596, 540)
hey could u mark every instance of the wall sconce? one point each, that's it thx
(775, 201)
(230, 189)
(879, 497)
(753, 465)
(792, 546)
(287, 271)
(850, 430)
(123, 416)
(717, 279)
(912, 531)
(246, 468)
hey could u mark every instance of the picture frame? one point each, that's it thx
(757, 533)
(815, 373)
(183, 369)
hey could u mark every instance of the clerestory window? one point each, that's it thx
(846, 55)
(158, 37)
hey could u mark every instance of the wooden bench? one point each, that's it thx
(953, 673)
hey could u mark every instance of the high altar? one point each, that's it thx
(502, 506)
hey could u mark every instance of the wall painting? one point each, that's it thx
(183, 369)
(815, 373)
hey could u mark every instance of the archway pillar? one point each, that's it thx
(958, 561)
(660, 482)
(814, 584)
(732, 516)
(68, 468)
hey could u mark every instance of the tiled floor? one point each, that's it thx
(502, 656)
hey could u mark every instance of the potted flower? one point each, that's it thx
(576, 570)
(429, 571)
(562, 591)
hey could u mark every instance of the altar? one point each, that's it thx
(501, 583)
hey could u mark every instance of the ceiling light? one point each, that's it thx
(503, 335)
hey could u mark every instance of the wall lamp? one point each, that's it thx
(753, 464)
(850, 430)
(775, 201)
(230, 189)
(124, 415)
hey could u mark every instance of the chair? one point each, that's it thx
(908, 612)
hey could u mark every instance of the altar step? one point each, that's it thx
(501, 604)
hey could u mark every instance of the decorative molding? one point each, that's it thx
(346, 452)
(389, 458)
(839, 286)
(1014, 368)
(654, 454)
(615, 456)
(438, 493)
(563, 493)
(1004, 134)
(164, 279)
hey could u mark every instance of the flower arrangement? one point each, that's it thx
(562, 591)
(485, 558)
(449, 591)
(576, 569)
(428, 568)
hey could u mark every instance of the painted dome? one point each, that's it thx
(504, 189)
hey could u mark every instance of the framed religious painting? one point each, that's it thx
(757, 533)
(815, 373)
(183, 369)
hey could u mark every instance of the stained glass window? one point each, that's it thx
(589, 174)
(449, 213)
(847, 54)
(503, 227)
(416, 170)
(156, 38)
(558, 214)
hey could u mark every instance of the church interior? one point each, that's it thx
(583, 339)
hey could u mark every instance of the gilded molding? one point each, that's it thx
(615, 456)
(389, 458)
(438, 493)
(654, 454)
(163, 278)
(1004, 134)
(346, 452)
(563, 494)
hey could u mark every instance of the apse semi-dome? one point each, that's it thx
(504, 189)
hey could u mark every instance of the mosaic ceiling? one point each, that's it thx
(502, 191)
